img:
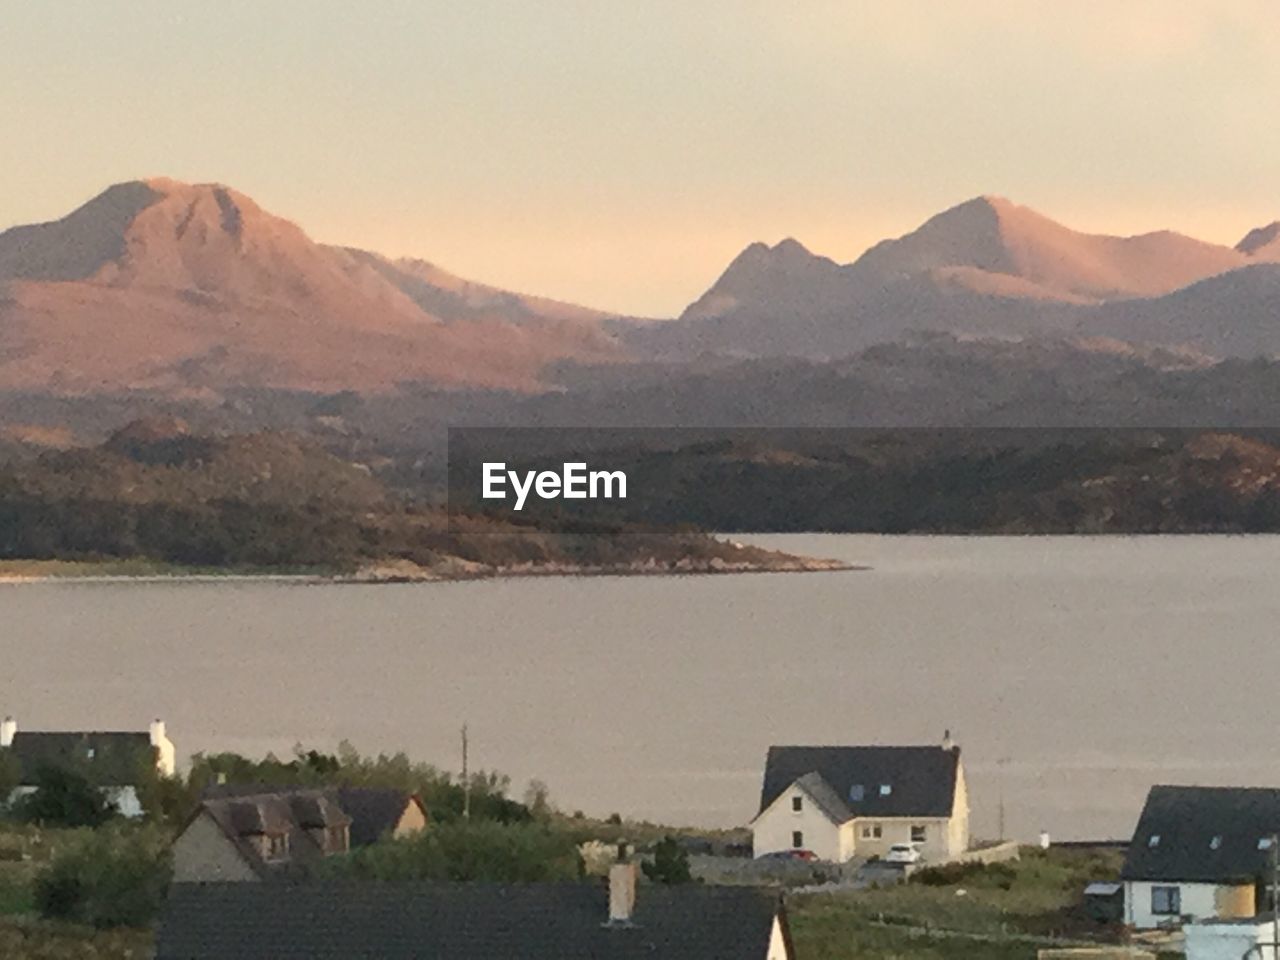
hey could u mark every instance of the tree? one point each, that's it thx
(670, 863)
(10, 774)
(114, 877)
(65, 798)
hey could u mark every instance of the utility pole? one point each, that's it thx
(466, 778)
(1275, 894)
(1001, 764)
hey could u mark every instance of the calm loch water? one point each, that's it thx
(1075, 672)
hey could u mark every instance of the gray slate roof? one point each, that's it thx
(327, 920)
(105, 759)
(295, 815)
(374, 811)
(1207, 834)
(922, 780)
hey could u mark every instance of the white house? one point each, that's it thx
(1200, 853)
(846, 802)
(114, 762)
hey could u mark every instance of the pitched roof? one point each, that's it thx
(1205, 834)
(374, 811)
(336, 920)
(106, 759)
(293, 815)
(921, 781)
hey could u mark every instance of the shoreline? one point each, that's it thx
(395, 573)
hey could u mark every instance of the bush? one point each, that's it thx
(64, 798)
(469, 850)
(114, 877)
(999, 875)
(670, 863)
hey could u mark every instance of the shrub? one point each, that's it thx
(469, 850)
(670, 863)
(999, 875)
(64, 798)
(114, 877)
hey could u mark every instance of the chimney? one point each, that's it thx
(947, 742)
(622, 890)
(157, 732)
(1045, 841)
(166, 761)
(8, 729)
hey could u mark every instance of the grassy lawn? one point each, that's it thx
(1000, 909)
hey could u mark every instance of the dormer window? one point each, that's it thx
(886, 789)
(90, 752)
(1153, 841)
(1216, 842)
(277, 846)
(857, 792)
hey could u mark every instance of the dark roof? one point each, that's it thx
(293, 815)
(106, 759)
(374, 811)
(1207, 834)
(334, 920)
(921, 780)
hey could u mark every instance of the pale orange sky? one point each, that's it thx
(619, 153)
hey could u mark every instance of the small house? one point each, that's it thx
(858, 801)
(114, 762)
(1201, 853)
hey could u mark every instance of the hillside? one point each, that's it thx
(194, 288)
(271, 502)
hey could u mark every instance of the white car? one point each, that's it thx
(903, 853)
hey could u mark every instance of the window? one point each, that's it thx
(90, 752)
(278, 846)
(871, 831)
(1264, 843)
(1215, 843)
(1153, 840)
(797, 839)
(1166, 901)
(886, 789)
(857, 792)
(917, 833)
(797, 804)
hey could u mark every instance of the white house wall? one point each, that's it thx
(772, 830)
(1198, 900)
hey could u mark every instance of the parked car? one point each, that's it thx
(903, 853)
(789, 855)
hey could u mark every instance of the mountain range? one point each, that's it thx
(192, 294)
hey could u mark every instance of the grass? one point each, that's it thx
(998, 915)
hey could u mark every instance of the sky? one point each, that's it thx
(619, 153)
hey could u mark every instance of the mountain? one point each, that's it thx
(1005, 249)
(168, 286)
(987, 267)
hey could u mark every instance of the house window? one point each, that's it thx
(90, 752)
(1153, 840)
(857, 792)
(886, 789)
(278, 846)
(797, 839)
(1166, 901)
(871, 832)
(917, 833)
(797, 804)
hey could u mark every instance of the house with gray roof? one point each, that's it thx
(339, 920)
(858, 801)
(1201, 853)
(280, 832)
(113, 761)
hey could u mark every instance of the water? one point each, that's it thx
(1075, 672)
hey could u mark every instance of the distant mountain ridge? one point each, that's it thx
(163, 285)
(985, 267)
